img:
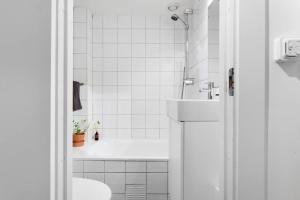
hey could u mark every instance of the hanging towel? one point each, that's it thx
(76, 96)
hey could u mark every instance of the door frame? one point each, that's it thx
(61, 99)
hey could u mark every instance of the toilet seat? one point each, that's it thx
(84, 189)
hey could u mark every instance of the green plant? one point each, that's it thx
(80, 127)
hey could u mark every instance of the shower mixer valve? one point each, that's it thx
(210, 90)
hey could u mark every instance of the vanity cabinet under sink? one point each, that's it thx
(195, 165)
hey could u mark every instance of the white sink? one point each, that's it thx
(193, 110)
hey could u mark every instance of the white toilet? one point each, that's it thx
(84, 189)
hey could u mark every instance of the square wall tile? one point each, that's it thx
(152, 36)
(138, 50)
(115, 166)
(138, 121)
(109, 92)
(124, 107)
(97, 22)
(157, 166)
(110, 122)
(152, 78)
(124, 78)
(124, 134)
(80, 15)
(110, 65)
(97, 36)
(97, 50)
(152, 22)
(138, 64)
(152, 133)
(110, 78)
(124, 64)
(93, 166)
(80, 30)
(157, 183)
(110, 133)
(152, 93)
(124, 36)
(110, 107)
(80, 61)
(138, 22)
(80, 45)
(124, 92)
(167, 36)
(110, 50)
(135, 166)
(138, 78)
(110, 22)
(152, 50)
(152, 121)
(138, 133)
(97, 107)
(78, 166)
(136, 178)
(124, 22)
(97, 78)
(138, 36)
(116, 182)
(110, 35)
(124, 121)
(152, 64)
(124, 50)
(138, 92)
(138, 107)
(152, 108)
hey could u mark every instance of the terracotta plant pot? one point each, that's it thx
(78, 140)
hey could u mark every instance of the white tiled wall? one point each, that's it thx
(137, 62)
(146, 180)
(82, 62)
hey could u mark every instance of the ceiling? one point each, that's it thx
(131, 7)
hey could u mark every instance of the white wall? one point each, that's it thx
(268, 134)
(25, 99)
(198, 49)
(251, 97)
(284, 108)
(137, 65)
(204, 52)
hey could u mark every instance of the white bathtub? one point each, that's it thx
(156, 150)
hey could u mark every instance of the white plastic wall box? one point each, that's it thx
(287, 48)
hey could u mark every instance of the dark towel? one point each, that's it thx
(76, 96)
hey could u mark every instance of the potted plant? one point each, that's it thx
(79, 132)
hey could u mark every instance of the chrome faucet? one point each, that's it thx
(210, 89)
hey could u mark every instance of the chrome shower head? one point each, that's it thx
(176, 17)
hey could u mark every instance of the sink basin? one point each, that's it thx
(193, 110)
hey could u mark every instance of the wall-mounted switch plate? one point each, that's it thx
(287, 48)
